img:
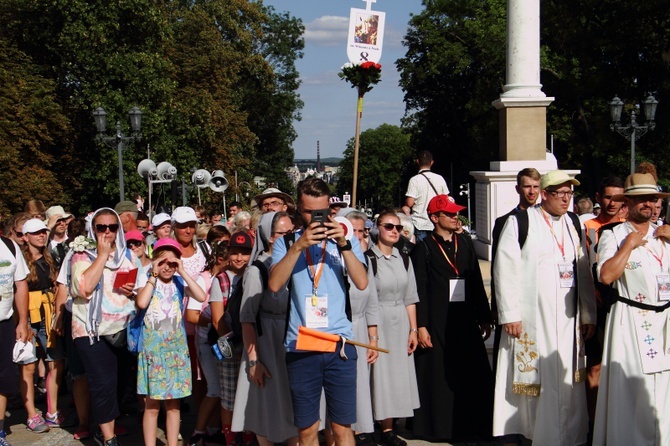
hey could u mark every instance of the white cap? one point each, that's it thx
(184, 214)
(159, 219)
(34, 225)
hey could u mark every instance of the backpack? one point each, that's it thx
(10, 245)
(522, 221)
(135, 326)
(372, 258)
(231, 311)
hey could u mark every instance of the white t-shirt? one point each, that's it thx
(201, 332)
(12, 269)
(420, 189)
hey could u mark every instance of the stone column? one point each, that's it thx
(523, 122)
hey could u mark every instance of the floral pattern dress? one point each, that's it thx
(163, 365)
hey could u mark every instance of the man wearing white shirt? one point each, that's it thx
(421, 189)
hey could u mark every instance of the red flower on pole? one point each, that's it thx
(362, 76)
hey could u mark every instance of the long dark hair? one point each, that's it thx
(32, 264)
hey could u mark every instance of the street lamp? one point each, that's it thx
(633, 131)
(121, 140)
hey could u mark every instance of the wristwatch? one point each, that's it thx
(346, 247)
(252, 363)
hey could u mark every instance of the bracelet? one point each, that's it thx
(413, 330)
(346, 247)
(153, 284)
(373, 338)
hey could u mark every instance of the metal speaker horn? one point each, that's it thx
(146, 168)
(201, 178)
(218, 183)
(166, 171)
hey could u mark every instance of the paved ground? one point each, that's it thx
(20, 436)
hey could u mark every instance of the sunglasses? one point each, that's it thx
(170, 264)
(42, 232)
(134, 243)
(390, 226)
(103, 228)
(18, 234)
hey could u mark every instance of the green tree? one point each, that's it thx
(384, 164)
(274, 113)
(32, 126)
(455, 67)
(193, 67)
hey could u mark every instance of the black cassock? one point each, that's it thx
(455, 380)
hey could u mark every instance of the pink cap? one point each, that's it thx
(168, 243)
(134, 235)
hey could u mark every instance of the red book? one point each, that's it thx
(124, 277)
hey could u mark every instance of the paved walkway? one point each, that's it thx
(20, 436)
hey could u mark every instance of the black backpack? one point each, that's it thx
(231, 312)
(372, 258)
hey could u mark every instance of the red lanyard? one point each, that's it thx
(561, 245)
(658, 259)
(315, 275)
(452, 264)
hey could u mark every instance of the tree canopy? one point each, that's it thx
(215, 80)
(384, 166)
(590, 50)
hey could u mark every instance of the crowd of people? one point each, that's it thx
(296, 317)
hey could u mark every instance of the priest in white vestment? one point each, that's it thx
(546, 305)
(634, 397)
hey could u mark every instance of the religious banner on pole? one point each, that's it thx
(366, 35)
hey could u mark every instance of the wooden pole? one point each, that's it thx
(359, 115)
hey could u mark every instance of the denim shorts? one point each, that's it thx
(308, 373)
(52, 353)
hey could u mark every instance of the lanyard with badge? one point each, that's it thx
(316, 307)
(457, 285)
(566, 271)
(662, 278)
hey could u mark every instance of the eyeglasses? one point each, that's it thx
(272, 204)
(561, 193)
(18, 234)
(134, 243)
(103, 228)
(390, 226)
(448, 214)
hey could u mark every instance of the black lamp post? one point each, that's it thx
(633, 131)
(119, 139)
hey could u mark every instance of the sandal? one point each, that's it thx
(82, 434)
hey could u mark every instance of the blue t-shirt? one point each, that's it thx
(331, 284)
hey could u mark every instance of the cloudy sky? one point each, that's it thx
(329, 114)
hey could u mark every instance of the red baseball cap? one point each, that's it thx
(443, 203)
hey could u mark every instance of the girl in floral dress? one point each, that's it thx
(163, 365)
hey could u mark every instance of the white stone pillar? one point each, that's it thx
(523, 50)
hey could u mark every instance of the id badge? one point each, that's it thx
(316, 311)
(566, 275)
(663, 281)
(456, 290)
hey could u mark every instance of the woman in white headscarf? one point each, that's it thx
(100, 312)
(263, 399)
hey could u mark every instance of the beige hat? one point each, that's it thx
(639, 184)
(272, 192)
(56, 210)
(555, 178)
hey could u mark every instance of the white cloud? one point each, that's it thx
(328, 30)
